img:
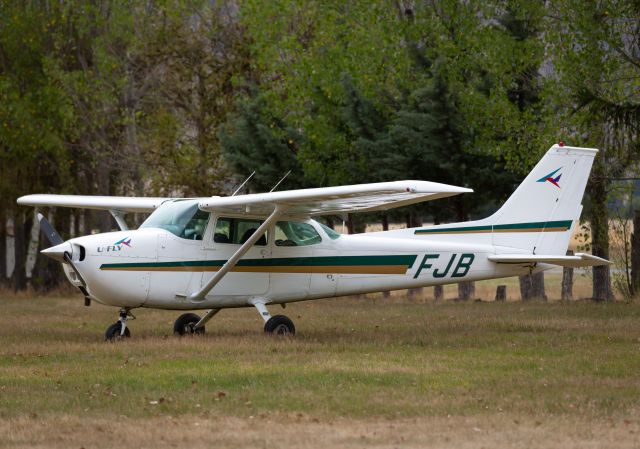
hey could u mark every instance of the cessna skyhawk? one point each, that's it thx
(260, 249)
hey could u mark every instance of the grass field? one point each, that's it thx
(361, 372)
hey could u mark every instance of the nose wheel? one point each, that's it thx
(119, 329)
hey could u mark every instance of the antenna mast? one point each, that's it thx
(278, 183)
(242, 185)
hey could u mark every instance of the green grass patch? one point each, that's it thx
(352, 358)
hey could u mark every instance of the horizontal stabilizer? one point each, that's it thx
(575, 261)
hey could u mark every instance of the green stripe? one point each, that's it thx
(566, 224)
(341, 261)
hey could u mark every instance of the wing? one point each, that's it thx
(334, 200)
(113, 203)
(575, 261)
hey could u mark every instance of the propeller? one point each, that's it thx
(60, 251)
(49, 231)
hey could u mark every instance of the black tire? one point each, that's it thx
(279, 325)
(113, 332)
(184, 325)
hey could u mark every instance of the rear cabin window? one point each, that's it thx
(237, 231)
(295, 233)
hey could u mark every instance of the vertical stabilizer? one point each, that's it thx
(540, 215)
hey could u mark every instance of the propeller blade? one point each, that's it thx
(61, 254)
(48, 230)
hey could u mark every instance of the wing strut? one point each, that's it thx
(233, 260)
(118, 216)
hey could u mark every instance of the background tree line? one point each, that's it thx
(169, 97)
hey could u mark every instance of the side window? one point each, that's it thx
(222, 233)
(237, 231)
(245, 229)
(294, 233)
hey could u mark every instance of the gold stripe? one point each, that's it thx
(501, 231)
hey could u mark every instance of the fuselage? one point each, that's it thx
(157, 267)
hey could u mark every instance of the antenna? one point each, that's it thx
(242, 185)
(278, 183)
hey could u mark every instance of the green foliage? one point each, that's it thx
(304, 50)
(202, 54)
(35, 116)
(253, 139)
(124, 97)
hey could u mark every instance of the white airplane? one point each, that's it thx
(259, 249)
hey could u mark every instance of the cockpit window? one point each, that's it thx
(295, 233)
(182, 218)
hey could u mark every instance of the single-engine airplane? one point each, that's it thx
(265, 248)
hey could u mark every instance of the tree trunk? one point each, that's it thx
(330, 223)
(355, 224)
(567, 282)
(20, 231)
(3, 247)
(104, 188)
(600, 232)
(537, 286)
(415, 293)
(635, 255)
(438, 292)
(525, 287)
(466, 290)
(532, 287)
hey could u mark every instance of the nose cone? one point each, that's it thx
(57, 252)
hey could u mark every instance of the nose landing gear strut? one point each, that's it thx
(119, 329)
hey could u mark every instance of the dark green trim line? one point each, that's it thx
(539, 226)
(337, 261)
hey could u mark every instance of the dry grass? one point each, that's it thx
(301, 431)
(360, 373)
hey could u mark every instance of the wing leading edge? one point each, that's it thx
(116, 203)
(302, 202)
(334, 200)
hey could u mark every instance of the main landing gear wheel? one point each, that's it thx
(279, 325)
(184, 325)
(114, 332)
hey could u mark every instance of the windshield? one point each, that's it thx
(330, 232)
(181, 218)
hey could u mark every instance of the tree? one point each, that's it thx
(597, 67)
(35, 119)
(254, 140)
(204, 58)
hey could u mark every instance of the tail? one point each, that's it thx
(541, 214)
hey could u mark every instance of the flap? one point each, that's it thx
(575, 261)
